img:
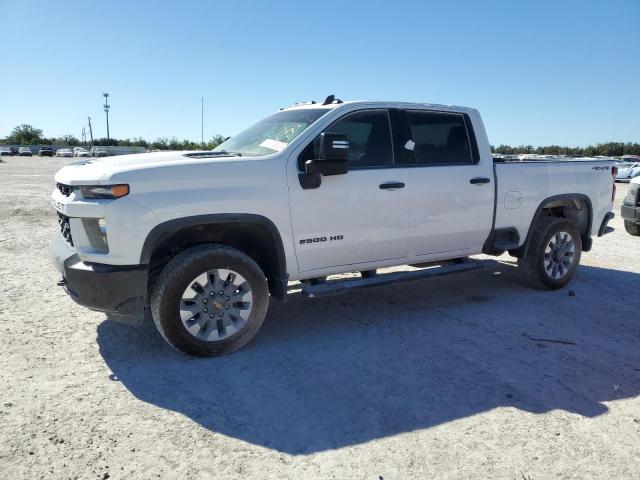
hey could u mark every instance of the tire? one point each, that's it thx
(553, 269)
(632, 228)
(197, 271)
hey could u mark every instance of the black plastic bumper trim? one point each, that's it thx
(107, 288)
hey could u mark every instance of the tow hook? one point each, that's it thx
(62, 282)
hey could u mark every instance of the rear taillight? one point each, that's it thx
(614, 173)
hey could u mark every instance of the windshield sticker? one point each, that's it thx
(273, 144)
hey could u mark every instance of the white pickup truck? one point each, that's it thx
(202, 239)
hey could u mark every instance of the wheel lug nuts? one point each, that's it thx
(211, 294)
(221, 292)
(228, 298)
(204, 301)
(227, 307)
(211, 315)
(205, 310)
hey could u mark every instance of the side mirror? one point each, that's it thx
(334, 154)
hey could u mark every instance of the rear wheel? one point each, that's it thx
(554, 253)
(209, 300)
(632, 228)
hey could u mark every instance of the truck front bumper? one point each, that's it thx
(115, 289)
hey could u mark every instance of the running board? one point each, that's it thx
(343, 286)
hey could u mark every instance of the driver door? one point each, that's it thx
(357, 218)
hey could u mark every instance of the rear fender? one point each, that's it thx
(569, 204)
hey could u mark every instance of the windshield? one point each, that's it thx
(271, 134)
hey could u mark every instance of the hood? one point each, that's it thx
(93, 171)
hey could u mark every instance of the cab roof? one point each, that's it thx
(371, 103)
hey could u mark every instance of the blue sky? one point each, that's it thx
(541, 72)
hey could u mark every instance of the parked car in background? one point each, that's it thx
(630, 210)
(14, 150)
(64, 152)
(99, 152)
(46, 152)
(502, 156)
(25, 152)
(5, 152)
(629, 168)
(80, 152)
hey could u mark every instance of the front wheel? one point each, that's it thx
(632, 228)
(554, 253)
(209, 300)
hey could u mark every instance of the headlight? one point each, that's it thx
(104, 191)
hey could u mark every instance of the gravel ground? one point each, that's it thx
(474, 376)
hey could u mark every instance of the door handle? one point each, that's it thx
(391, 185)
(479, 180)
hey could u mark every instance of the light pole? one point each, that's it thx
(106, 110)
(90, 131)
(202, 123)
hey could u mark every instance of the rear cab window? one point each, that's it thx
(440, 138)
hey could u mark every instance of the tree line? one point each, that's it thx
(609, 149)
(29, 135)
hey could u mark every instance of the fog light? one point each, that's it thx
(96, 229)
(102, 226)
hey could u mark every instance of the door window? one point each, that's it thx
(440, 138)
(369, 135)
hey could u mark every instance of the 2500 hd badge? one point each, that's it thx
(304, 241)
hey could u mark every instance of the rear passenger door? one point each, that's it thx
(451, 191)
(355, 218)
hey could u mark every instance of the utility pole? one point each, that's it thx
(90, 131)
(106, 110)
(84, 135)
(202, 123)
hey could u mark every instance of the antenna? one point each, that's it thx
(331, 99)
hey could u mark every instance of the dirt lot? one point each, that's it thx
(475, 376)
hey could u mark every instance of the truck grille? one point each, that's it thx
(65, 189)
(65, 228)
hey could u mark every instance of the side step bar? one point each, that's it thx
(343, 286)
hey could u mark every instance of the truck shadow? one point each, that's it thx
(327, 373)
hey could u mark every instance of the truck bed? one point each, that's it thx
(522, 186)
